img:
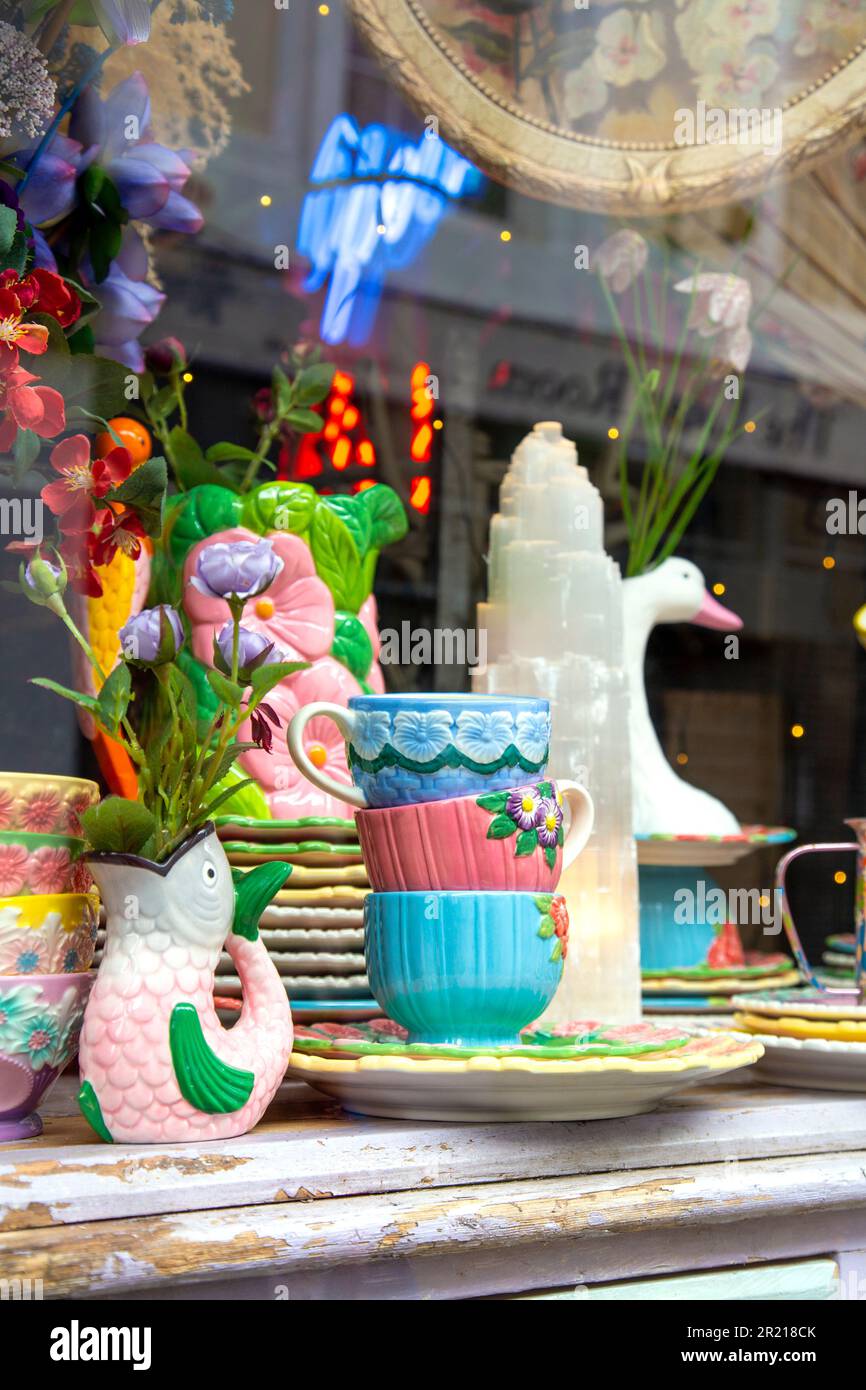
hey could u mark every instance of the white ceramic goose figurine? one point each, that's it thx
(675, 592)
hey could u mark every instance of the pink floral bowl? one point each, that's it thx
(40, 1020)
(42, 804)
(48, 933)
(41, 864)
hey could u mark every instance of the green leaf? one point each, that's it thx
(191, 468)
(560, 836)
(8, 228)
(305, 421)
(144, 492)
(527, 842)
(500, 828)
(546, 926)
(556, 953)
(226, 691)
(313, 384)
(162, 403)
(386, 512)
(352, 645)
(217, 765)
(337, 560)
(545, 789)
(229, 794)
(15, 258)
(98, 383)
(118, 826)
(263, 680)
(184, 693)
(354, 517)
(285, 507)
(25, 451)
(282, 389)
(224, 453)
(103, 244)
(241, 796)
(88, 702)
(550, 856)
(493, 801)
(82, 340)
(543, 901)
(113, 699)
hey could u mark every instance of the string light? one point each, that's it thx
(613, 432)
(763, 901)
(828, 562)
(420, 493)
(266, 200)
(324, 9)
(682, 759)
(718, 590)
(750, 427)
(187, 376)
(505, 235)
(797, 731)
(840, 876)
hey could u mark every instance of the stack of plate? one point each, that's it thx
(710, 989)
(314, 928)
(838, 959)
(811, 1037)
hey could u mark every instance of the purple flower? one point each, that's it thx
(129, 303)
(236, 570)
(50, 190)
(42, 581)
(152, 637)
(547, 822)
(9, 199)
(254, 650)
(124, 21)
(522, 806)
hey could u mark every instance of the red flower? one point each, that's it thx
(15, 333)
(27, 407)
(44, 292)
(559, 913)
(115, 532)
(81, 481)
(82, 577)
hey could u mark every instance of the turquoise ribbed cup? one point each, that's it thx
(469, 969)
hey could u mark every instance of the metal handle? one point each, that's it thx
(787, 917)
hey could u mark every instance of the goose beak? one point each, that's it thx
(713, 614)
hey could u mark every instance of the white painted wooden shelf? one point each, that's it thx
(317, 1203)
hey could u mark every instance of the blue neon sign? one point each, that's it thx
(381, 200)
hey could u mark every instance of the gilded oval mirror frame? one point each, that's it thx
(447, 71)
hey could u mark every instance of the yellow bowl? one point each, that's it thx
(44, 804)
(48, 933)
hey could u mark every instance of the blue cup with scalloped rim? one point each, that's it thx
(403, 749)
(466, 969)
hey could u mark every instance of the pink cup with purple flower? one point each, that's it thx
(516, 840)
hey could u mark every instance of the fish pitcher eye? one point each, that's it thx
(209, 874)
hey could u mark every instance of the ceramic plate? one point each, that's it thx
(320, 918)
(702, 1004)
(310, 1011)
(834, 1030)
(384, 1038)
(844, 942)
(309, 963)
(329, 828)
(308, 939)
(310, 986)
(813, 1063)
(840, 960)
(336, 895)
(708, 851)
(756, 966)
(354, 875)
(804, 1003)
(519, 1088)
(312, 854)
(670, 984)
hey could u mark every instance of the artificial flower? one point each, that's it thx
(164, 357)
(153, 636)
(721, 307)
(42, 580)
(27, 90)
(548, 821)
(115, 531)
(235, 570)
(16, 334)
(27, 407)
(296, 612)
(621, 258)
(81, 480)
(123, 22)
(254, 650)
(128, 303)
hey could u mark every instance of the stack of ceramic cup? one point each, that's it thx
(464, 839)
(48, 923)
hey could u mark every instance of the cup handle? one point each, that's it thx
(345, 722)
(582, 816)
(787, 917)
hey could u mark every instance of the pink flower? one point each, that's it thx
(48, 870)
(40, 813)
(720, 309)
(296, 612)
(13, 869)
(368, 613)
(7, 809)
(27, 407)
(288, 792)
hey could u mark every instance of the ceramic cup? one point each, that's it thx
(470, 969)
(48, 933)
(43, 804)
(40, 1019)
(408, 748)
(31, 863)
(517, 840)
(858, 846)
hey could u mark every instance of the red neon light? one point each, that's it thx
(419, 494)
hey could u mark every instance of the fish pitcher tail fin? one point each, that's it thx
(254, 889)
(92, 1112)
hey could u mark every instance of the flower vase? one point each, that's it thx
(156, 1063)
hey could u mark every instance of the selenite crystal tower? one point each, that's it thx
(555, 628)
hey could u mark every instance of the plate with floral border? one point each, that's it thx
(708, 851)
(486, 1089)
(673, 984)
(803, 1003)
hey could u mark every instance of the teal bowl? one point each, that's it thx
(466, 969)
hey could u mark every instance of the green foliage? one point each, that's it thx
(113, 700)
(118, 826)
(285, 507)
(352, 645)
(191, 467)
(144, 491)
